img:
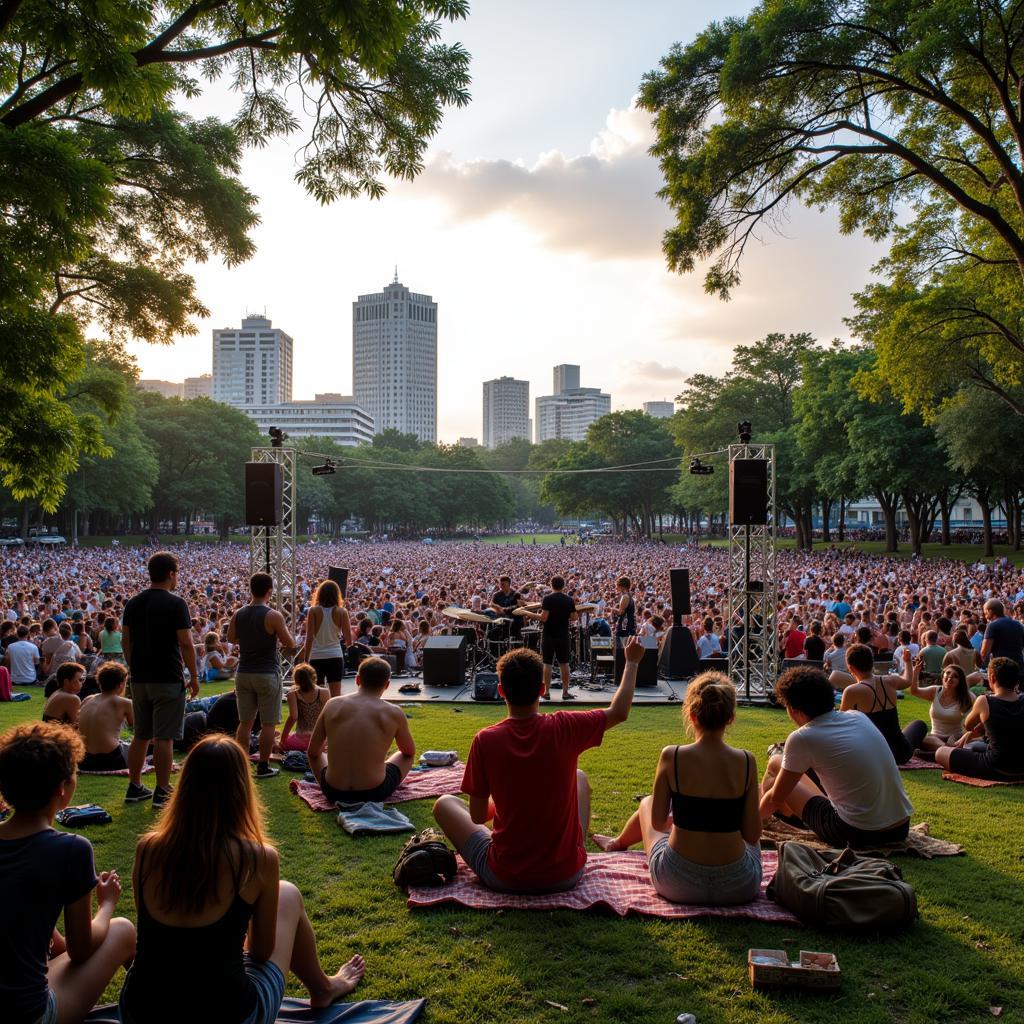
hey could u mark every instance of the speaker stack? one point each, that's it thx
(679, 653)
(647, 670)
(263, 493)
(748, 492)
(340, 576)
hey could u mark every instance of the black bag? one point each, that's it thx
(425, 860)
(485, 687)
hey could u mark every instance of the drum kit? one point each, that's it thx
(495, 635)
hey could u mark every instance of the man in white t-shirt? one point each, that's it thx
(836, 773)
(21, 658)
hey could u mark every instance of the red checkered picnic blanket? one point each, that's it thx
(416, 786)
(618, 881)
(917, 763)
(970, 780)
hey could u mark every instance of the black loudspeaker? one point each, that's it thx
(262, 494)
(680, 593)
(748, 492)
(340, 576)
(444, 661)
(485, 688)
(679, 654)
(647, 670)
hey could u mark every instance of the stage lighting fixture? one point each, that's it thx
(697, 468)
(277, 437)
(745, 432)
(326, 469)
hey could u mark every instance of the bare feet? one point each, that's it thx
(340, 984)
(607, 843)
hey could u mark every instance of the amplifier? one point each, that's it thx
(600, 643)
(485, 687)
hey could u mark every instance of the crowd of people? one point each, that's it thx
(207, 876)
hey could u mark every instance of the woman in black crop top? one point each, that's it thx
(207, 887)
(700, 827)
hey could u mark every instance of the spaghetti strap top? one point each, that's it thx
(885, 717)
(326, 643)
(709, 813)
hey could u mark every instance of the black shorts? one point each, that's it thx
(975, 763)
(554, 647)
(822, 818)
(112, 761)
(377, 795)
(328, 670)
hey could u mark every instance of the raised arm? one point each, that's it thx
(618, 711)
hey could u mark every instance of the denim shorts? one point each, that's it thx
(49, 1015)
(474, 853)
(684, 881)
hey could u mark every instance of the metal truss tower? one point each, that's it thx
(753, 593)
(272, 548)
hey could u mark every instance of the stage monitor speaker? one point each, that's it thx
(647, 670)
(680, 593)
(679, 654)
(263, 488)
(748, 492)
(485, 688)
(340, 576)
(444, 661)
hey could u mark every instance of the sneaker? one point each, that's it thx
(161, 796)
(776, 748)
(137, 793)
(546, 696)
(264, 770)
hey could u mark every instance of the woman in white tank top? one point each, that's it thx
(327, 623)
(948, 705)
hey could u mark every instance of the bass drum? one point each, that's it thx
(531, 638)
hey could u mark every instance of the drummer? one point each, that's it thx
(504, 600)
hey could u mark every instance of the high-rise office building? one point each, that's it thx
(252, 365)
(660, 410)
(394, 359)
(571, 409)
(566, 378)
(506, 410)
(333, 416)
(198, 387)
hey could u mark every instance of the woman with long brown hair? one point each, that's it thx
(327, 624)
(208, 888)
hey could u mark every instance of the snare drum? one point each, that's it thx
(531, 638)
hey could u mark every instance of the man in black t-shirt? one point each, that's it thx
(557, 610)
(1004, 637)
(157, 641)
(504, 600)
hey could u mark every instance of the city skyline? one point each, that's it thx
(535, 223)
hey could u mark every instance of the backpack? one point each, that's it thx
(295, 761)
(425, 860)
(842, 889)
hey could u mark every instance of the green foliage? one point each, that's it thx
(108, 190)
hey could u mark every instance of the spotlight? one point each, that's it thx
(277, 437)
(697, 468)
(743, 429)
(327, 469)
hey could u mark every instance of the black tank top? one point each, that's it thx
(1005, 730)
(885, 717)
(257, 649)
(625, 624)
(218, 989)
(709, 813)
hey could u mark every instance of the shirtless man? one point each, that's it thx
(100, 721)
(358, 730)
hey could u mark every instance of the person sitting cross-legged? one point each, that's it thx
(836, 774)
(357, 731)
(522, 774)
(305, 702)
(101, 718)
(701, 844)
(46, 977)
(208, 886)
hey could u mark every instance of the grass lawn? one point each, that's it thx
(963, 957)
(527, 538)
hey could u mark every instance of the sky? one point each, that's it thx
(535, 226)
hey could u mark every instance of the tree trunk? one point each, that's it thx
(24, 520)
(826, 515)
(842, 519)
(945, 509)
(888, 504)
(986, 525)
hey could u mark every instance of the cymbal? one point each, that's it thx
(500, 622)
(464, 615)
(586, 609)
(523, 611)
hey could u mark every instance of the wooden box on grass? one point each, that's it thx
(771, 968)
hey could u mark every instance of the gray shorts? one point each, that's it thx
(474, 853)
(159, 710)
(49, 1015)
(723, 885)
(259, 691)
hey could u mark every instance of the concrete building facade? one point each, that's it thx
(252, 365)
(571, 409)
(506, 410)
(660, 410)
(333, 416)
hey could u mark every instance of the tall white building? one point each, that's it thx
(198, 387)
(660, 410)
(506, 410)
(571, 409)
(252, 365)
(333, 416)
(394, 359)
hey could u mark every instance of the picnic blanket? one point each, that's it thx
(919, 841)
(298, 1011)
(970, 780)
(917, 763)
(415, 786)
(372, 819)
(175, 767)
(617, 881)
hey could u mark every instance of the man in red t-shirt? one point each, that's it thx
(795, 642)
(522, 774)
